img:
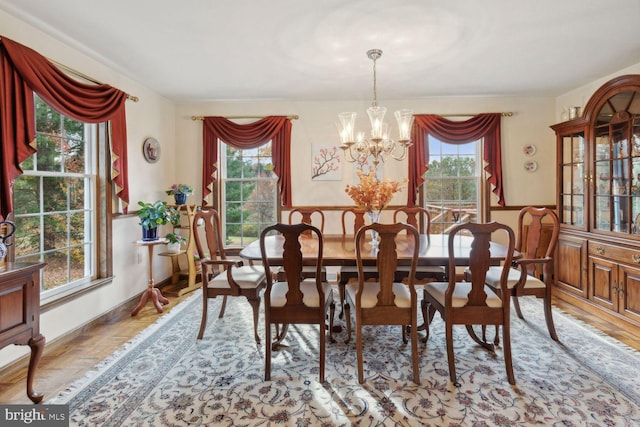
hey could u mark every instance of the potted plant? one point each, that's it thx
(175, 242)
(180, 193)
(154, 214)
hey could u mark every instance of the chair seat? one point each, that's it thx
(307, 287)
(493, 279)
(371, 290)
(462, 289)
(247, 277)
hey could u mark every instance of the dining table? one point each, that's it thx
(339, 250)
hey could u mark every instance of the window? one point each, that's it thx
(55, 203)
(249, 193)
(453, 183)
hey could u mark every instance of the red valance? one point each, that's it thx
(485, 126)
(25, 71)
(276, 129)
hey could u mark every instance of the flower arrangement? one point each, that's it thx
(371, 194)
(180, 189)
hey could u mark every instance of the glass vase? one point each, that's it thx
(374, 217)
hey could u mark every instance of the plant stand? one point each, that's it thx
(183, 281)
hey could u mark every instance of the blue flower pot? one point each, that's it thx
(150, 234)
(180, 199)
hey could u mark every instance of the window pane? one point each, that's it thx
(50, 154)
(78, 259)
(57, 269)
(27, 235)
(56, 192)
(233, 163)
(76, 193)
(78, 232)
(26, 194)
(74, 156)
(250, 167)
(47, 119)
(74, 129)
(55, 235)
(233, 191)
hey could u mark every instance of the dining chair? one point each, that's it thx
(221, 276)
(384, 302)
(307, 216)
(473, 303)
(349, 272)
(420, 218)
(294, 299)
(532, 274)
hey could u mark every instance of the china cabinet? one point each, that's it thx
(598, 191)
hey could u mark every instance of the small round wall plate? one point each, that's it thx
(529, 149)
(530, 165)
(151, 150)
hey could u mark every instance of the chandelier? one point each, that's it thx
(378, 145)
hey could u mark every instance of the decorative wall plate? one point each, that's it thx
(530, 165)
(529, 149)
(151, 150)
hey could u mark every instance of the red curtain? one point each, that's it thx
(276, 129)
(485, 126)
(25, 71)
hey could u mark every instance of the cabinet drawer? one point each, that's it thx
(622, 255)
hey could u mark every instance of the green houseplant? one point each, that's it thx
(180, 193)
(154, 214)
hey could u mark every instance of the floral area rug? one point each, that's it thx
(166, 377)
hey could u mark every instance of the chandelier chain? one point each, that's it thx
(375, 92)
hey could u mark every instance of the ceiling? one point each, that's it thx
(207, 50)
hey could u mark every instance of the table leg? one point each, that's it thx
(37, 346)
(152, 292)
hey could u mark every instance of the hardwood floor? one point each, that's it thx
(66, 360)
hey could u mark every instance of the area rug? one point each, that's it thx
(166, 377)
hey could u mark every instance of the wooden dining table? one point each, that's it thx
(339, 250)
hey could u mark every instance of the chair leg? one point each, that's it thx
(341, 291)
(506, 338)
(347, 313)
(405, 329)
(255, 305)
(322, 349)
(516, 304)
(548, 315)
(450, 358)
(428, 311)
(474, 337)
(332, 312)
(359, 351)
(267, 351)
(205, 308)
(414, 354)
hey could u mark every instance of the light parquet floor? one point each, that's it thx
(67, 360)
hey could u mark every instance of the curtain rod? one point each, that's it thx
(84, 76)
(290, 117)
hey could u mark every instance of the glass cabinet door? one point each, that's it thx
(616, 166)
(573, 180)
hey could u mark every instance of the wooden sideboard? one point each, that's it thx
(20, 313)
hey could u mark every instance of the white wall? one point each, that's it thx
(153, 116)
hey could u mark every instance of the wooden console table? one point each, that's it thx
(20, 313)
(152, 292)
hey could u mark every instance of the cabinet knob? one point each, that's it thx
(600, 250)
(636, 258)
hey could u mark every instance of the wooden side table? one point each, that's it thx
(152, 292)
(20, 313)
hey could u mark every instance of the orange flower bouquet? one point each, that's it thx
(371, 194)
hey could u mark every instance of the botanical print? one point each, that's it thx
(325, 163)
